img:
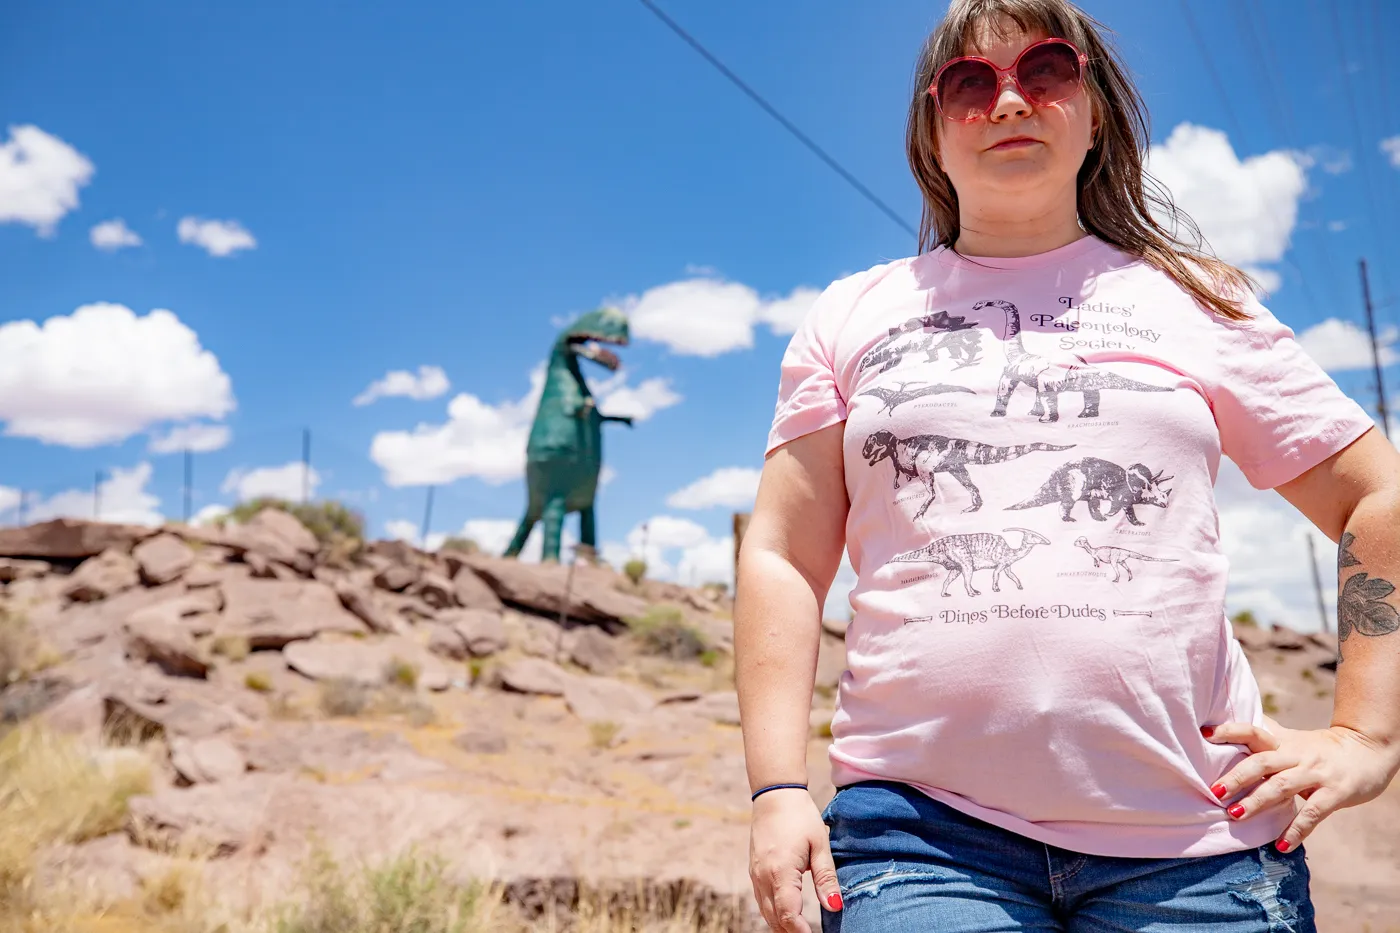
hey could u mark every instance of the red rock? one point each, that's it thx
(473, 592)
(593, 597)
(12, 569)
(397, 577)
(162, 559)
(206, 761)
(534, 675)
(435, 590)
(602, 699)
(156, 635)
(274, 613)
(102, 576)
(68, 539)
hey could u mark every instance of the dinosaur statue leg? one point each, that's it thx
(522, 532)
(587, 527)
(553, 527)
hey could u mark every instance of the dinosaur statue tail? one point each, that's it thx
(988, 453)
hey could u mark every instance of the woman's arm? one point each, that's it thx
(1353, 497)
(789, 555)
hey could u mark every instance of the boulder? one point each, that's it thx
(593, 598)
(836, 627)
(70, 628)
(206, 761)
(367, 662)
(722, 707)
(446, 641)
(156, 635)
(435, 590)
(12, 569)
(203, 574)
(214, 820)
(396, 577)
(127, 713)
(602, 699)
(1286, 639)
(482, 632)
(68, 539)
(481, 740)
(285, 526)
(274, 535)
(274, 613)
(162, 558)
(102, 576)
(595, 651)
(534, 675)
(356, 599)
(472, 591)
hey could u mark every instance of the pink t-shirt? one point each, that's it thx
(1031, 447)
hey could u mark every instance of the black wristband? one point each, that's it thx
(764, 790)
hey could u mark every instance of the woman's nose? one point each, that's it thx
(1009, 101)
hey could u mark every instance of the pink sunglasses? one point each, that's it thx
(1046, 72)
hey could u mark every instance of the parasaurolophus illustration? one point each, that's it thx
(1049, 378)
(1117, 557)
(965, 554)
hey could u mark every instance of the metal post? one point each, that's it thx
(427, 520)
(23, 501)
(305, 466)
(1375, 351)
(189, 482)
(1317, 584)
(564, 606)
(97, 495)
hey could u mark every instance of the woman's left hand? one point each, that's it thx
(1331, 768)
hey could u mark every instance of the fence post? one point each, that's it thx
(305, 465)
(189, 482)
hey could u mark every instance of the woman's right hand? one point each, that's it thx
(787, 838)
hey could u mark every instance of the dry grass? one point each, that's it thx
(258, 681)
(233, 647)
(662, 631)
(343, 697)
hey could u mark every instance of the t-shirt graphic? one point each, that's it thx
(1030, 450)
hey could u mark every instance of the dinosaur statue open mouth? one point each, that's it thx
(587, 346)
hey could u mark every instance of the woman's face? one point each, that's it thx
(1018, 149)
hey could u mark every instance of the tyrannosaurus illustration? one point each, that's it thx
(565, 452)
(1050, 377)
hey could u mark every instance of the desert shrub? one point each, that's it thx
(602, 733)
(1244, 618)
(662, 631)
(330, 521)
(1270, 704)
(343, 697)
(401, 673)
(454, 543)
(258, 680)
(635, 569)
(17, 648)
(233, 647)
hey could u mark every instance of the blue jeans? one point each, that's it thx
(909, 863)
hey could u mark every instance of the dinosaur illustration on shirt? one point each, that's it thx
(964, 555)
(923, 456)
(1049, 377)
(1098, 482)
(1117, 557)
(950, 332)
(895, 397)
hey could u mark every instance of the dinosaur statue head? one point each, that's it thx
(605, 325)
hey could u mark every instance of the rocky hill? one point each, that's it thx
(556, 731)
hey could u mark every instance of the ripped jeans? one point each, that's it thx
(909, 863)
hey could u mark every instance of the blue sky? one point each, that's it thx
(438, 184)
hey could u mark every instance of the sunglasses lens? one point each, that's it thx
(1049, 73)
(966, 89)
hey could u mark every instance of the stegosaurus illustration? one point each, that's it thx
(1049, 378)
(1117, 557)
(965, 554)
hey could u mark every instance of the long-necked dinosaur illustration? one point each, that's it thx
(895, 397)
(923, 456)
(1049, 378)
(964, 555)
(1098, 482)
(1117, 557)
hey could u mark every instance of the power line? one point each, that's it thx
(784, 121)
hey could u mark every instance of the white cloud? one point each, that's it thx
(1336, 226)
(708, 316)
(122, 497)
(9, 500)
(102, 374)
(729, 486)
(1339, 345)
(208, 515)
(40, 176)
(606, 475)
(1330, 159)
(216, 237)
(112, 235)
(488, 441)
(1391, 147)
(430, 382)
(198, 438)
(1246, 209)
(493, 535)
(279, 482)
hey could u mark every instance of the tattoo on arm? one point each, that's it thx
(1361, 601)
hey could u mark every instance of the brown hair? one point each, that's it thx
(1117, 197)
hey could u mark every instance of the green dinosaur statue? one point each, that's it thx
(565, 451)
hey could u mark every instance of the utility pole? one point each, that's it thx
(1317, 584)
(1375, 351)
(189, 482)
(305, 465)
(427, 520)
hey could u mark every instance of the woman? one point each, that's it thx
(1046, 723)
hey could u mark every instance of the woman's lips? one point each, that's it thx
(1016, 142)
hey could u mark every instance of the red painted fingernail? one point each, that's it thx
(1207, 731)
(1219, 791)
(833, 901)
(1283, 845)
(1237, 810)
